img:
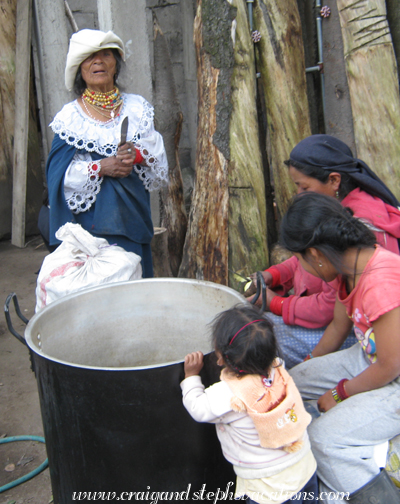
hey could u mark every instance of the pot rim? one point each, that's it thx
(55, 304)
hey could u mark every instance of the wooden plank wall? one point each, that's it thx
(22, 76)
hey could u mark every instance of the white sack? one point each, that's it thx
(80, 262)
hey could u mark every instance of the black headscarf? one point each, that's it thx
(333, 155)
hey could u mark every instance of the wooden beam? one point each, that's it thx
(205, 254)
(70, 16)
(22, 75)
(227, 221)
(247, 223)
(169, 124)
(374, 87)
(280, 59)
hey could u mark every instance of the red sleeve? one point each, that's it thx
(313, 311)
(286, 271)
(276, 276)
(275, 305)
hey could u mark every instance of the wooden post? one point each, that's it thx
(52, 37)
(374, 87)
(280, 56)
(248, 249)
(159, 249)
(338, 114)
(205, 254)
(169, 123)
(227, 223)
(22, 75)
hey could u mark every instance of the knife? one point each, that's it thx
(248, 280)
(124, 131)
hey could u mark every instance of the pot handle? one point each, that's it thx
(13, 297)
(261, 287)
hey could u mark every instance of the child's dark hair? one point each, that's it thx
(245, 339)
(319, 221)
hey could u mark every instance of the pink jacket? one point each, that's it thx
(373, 211)
(313, 301)
(277, 409)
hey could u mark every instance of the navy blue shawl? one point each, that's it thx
(122, 206)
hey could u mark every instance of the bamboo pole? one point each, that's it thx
(22, 76)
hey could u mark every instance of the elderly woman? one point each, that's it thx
(93, 178)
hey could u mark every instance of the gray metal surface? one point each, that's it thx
(139, 324)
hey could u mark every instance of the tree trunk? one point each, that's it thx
(280, 60)
(374, 88)
(205, 254)
(169, 123)
(227, 223)
(248, 250)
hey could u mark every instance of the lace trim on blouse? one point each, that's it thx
(82, 183)
(75, 128)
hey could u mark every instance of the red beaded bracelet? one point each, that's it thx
(341, 390)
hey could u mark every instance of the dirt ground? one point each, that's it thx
(19, 401)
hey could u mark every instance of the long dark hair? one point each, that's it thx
(246, 349)
(80, 84)
(321, 222)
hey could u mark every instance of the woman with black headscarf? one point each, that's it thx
(324, 164)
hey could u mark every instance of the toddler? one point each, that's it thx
(258, 412)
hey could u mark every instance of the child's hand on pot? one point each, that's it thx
(193, 364)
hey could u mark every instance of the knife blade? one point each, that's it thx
(124, 130)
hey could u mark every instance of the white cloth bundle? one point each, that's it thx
(80, 262)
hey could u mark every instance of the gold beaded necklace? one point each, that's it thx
(109, 101)
(110, 117)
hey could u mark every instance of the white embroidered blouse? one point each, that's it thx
(81, 182)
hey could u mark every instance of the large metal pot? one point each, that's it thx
(108, 363)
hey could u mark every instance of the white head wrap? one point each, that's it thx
(84, 43)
